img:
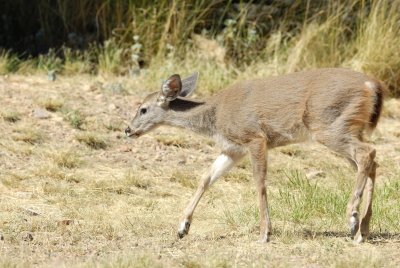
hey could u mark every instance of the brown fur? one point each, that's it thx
(332, 106)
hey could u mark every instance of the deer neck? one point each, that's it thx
(197, 116)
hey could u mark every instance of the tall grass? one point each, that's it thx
(226, 40)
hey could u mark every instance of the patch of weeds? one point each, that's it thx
(74, 118)
(28, 135)
(9, 62)
(11, 116)
(66, 159)
(183, 178)
(243, 218)
(49, 61)
(52, 105)
(301, 200)
(92, 140)
(136, 180)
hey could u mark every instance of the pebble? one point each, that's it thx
(40, 113)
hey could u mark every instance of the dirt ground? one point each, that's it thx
(75, 192)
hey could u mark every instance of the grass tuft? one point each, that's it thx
(8, 62)
(11, 116)
(74, 118)
(52, 105)
(66, 159)
(28, 135)
(92, 140)
(185, 179)
(136, 180)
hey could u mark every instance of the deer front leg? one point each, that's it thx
(221, 165)
(258, 152)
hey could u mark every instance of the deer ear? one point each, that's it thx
(171, 88)
(189, 84)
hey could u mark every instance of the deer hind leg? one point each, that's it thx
(361, 156)
(258, 152)
(369, 190)
(364, 157)
(221, 165)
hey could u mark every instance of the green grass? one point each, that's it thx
(74, 117)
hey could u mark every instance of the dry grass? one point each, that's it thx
(62, 203)
(92, 140)
(51, 104)
(11, 116)
(362, 35)
(28, 134)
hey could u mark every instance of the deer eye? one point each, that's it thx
(142, 111)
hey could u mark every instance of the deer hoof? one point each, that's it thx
(264, 239)
(354, 224)
(184, 228)
(360, 238)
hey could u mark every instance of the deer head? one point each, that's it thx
(153, 110)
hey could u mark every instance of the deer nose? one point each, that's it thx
(128, 131)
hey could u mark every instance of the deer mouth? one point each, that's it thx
(132, 134)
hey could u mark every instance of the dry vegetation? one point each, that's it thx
(75, 193)
(225, 40)
(88, 197)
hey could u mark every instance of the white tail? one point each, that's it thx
(331, 106)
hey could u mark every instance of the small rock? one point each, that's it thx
(1, 237)
(26, 236)
(40, 113)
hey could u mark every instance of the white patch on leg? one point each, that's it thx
(353, 220)
(220, 166)
(359, 239)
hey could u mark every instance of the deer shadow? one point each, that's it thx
(374, 237)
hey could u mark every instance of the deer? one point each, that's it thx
(335, 107)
